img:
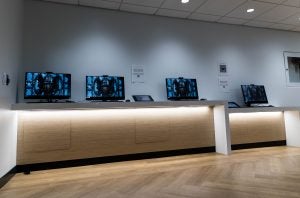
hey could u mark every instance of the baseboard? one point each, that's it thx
(101, 160)
(5, 179)
(258, 145)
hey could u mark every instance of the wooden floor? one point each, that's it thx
(265, 172)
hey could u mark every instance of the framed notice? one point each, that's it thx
(292, 68)
(223, 69)
(224, 83)
(137, 74)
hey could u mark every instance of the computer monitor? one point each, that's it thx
(47, 85)
(254, 94)
(181, 88)
(105, 88)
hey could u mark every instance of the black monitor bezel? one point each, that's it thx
(183, 98)
(255, 101)
(106, 98)
(47, 97)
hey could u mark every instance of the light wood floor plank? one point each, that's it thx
(253, 173)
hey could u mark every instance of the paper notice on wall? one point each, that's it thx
(137, 74)
(223, 70)
(224, 83)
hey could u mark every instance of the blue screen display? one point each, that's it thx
(181, 88)
(47, 85)
(254, 94)
(105, 88)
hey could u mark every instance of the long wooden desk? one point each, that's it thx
(67, 131)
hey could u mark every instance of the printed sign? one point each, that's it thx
(137, 74)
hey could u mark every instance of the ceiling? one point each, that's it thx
(274, 14)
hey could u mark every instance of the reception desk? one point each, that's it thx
(70, 131)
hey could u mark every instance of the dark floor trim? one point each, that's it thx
(258, 145)
(5, 179)
(101, 160)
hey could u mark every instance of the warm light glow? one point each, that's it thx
(171, 111)
(250, 10)
(255, 115)
(185, 1)
(113, 114)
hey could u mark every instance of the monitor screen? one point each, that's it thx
(47, 86)
(181, 88)
(105, 88)
(254, 94)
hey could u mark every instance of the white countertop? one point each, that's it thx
(135, 105)
(262, 109)
(255, 109)
(112, 105)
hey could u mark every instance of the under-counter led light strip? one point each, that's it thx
(112, 113)
(255, 115)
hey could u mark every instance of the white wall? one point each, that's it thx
(10, 57)
(87, 41)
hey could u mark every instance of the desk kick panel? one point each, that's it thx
(46, 133)
(257, 127)
(152, 126)
(65, 135)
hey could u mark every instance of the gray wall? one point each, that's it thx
(87, 41)
(10, 60)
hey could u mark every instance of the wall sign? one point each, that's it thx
(223, 68)
(223, 78)
(224, 83)
(137, 74)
